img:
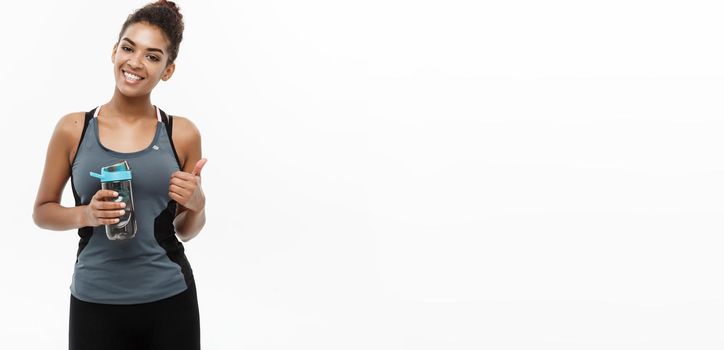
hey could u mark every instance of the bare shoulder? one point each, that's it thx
(71, 123)
(68, 131)
(187, 140)
(184, 129)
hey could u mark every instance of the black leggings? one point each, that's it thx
(171, 323)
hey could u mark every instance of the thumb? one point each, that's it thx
(199, 165)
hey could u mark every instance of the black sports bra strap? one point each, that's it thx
(168, 120)
(88, 117)
(164, 119)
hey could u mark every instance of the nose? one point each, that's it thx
(133, 62)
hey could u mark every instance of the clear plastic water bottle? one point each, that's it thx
(117, 177)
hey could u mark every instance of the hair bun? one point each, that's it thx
(171, 5)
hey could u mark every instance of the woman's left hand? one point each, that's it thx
(185, 188)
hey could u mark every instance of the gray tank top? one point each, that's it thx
(151, 266)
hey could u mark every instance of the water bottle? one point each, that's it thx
(117, 177)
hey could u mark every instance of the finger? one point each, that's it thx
(175, 197)
(189, 185)
(105, 205)
(179, 190)
(106, 214)
(199, 165)
(182, 175)
(105, 194)
(108, 221)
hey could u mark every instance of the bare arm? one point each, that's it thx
(47, 211)
(189, 223)
(185, 186)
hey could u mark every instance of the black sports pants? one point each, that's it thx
(171, 323)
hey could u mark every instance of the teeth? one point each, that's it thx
(130, 76)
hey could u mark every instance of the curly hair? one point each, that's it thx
(164, 15)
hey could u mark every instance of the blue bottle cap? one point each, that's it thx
(112, 173)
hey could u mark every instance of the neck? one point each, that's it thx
(130, 108)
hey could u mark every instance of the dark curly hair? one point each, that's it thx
(165, 15)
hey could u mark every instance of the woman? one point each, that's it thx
(137, 293)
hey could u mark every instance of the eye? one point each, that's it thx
(126, 48)
(153, 58)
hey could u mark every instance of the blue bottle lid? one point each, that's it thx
(113, 173)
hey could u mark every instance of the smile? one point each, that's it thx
(131, 77)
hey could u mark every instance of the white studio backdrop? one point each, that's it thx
(406, 174)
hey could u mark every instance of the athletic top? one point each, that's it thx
(152, 265)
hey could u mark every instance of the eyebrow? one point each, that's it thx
(149, 49)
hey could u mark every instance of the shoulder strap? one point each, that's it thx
(168, 121)
(88, 117)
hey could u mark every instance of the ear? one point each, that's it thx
(168, 71)
(113, 53)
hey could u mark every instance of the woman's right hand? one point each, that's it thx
(102, 211)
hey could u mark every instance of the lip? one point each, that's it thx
(131, 82)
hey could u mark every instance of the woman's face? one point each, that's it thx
(139, 59)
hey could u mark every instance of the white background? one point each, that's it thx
(406, 174)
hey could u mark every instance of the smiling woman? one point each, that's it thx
(138, 292)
